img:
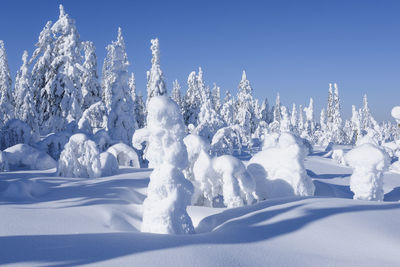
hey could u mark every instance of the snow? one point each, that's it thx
(80, 158)
(23, 156)
(396, 113)
(125, 155)
(368, 162)
(279, 171)
(108, 163)
(14, 132)
(168, 193)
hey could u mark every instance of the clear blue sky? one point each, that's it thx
(292, 47)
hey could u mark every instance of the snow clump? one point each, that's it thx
(23, 156)
(368, 162)
(125, 155)
(279, 170)
(80, 158)
(108, 163)
(168, 193)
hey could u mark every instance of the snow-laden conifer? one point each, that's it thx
(6, 96)
(155, 77)
(91, 90)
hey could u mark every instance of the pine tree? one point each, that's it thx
(244, 108)
(155, 77)
(227, 109)
(23, 96)
(91, 90)
(277, 109)
(117, 96)
(6, 97)
(138, 104)
(176, 93)
(355, 125)
(216, 97)
(264, 113)
(285, 121)
(309, 125)
(192, 100)
(294, 119)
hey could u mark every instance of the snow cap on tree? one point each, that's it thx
(155, 77)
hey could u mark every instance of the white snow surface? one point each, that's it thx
(22, 156)
(125, 155)
(58, 221)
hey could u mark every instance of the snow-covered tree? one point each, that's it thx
(155, 77)
(138, 104)
(264, 112)
(117, 96)
(209, 121)
(91, 90)
(176, 94)
(294, 118)
(309, 124)
(355, 125)
(227, 109)
(6, 97)
(192, 100)
(245, 113)
(23, 97)
(216, 97)
(285, 121)
(168, 193)
(277, 109)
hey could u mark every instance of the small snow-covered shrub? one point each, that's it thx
(194, 145)
(108, 163)
(169, 193)
(125, 155)
(338, 156)
(238, 186)
(368, 162)
(23, 156)
(279, 171)
(15, 132)
(80, 158)
(94, 118)
(3, 162)
(226, 140)
(54, 143)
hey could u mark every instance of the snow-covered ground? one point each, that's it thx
(55, 221)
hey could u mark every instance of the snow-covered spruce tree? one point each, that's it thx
(227, 109)
(334, 131)
(62, 95)
(138, 104)
(155, 77)
(192, 100)
(264, 112)
(91, 90)
(6, 97)
(176, 94)
(121, 122)
(368, 162)
(309, 124)
(41, 72)
(355, 125)
(216, 97)
(277, 109)
(285, 121)
(23, 97)
(294, 119)
(168, 193)
(245, 115)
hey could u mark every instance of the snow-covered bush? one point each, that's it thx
(54, 143)
(15, 132)
(80, 158)
(108, 163)
(125, 155)
(94, 118)
(23, 156)
(103, 140)
(195, 144)
(169, 193)
(238, 186)
(205, 182)
(226, 140)
(368, 162)
(279, 171)
(3, 162)
(339, 157)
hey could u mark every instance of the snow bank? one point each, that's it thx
(238, 186)
(23, 156)
(15, 132)
(338, 156)
(80, 158)
(368, 162)
(279, 171)
(108, 163)
(24, 190)
(125, 155)
(168, 193)
(3, 162)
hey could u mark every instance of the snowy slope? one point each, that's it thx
(54, 221)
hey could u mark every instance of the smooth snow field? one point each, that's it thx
(56, 221)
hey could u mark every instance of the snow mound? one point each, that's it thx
(368, 162)
(80, 158)
(238, 186)
(108, 163)
(3, 162)
(279, 171)
(125, 155)
(15, 132)
(103, 140)
(195, 144)
(168, 193)
(338, 156)
(54, 143)
(23, 156)
(23, 190)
